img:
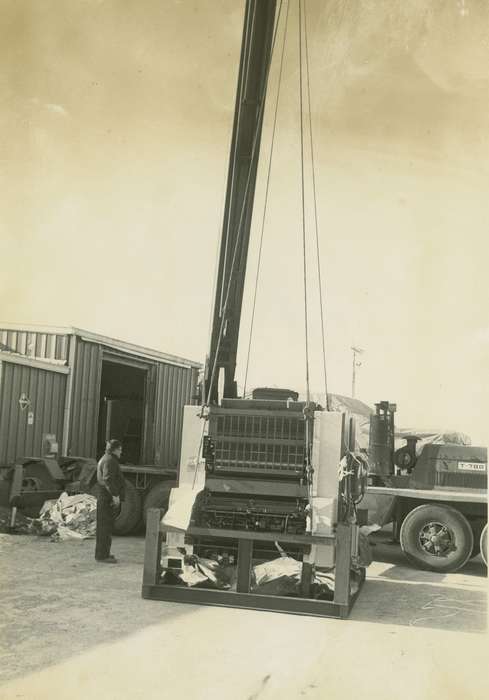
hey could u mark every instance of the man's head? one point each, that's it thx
(114, 447)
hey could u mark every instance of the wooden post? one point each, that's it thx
(245, 562)
(152, 547)
(343, 563)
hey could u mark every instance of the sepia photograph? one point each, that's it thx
(244, 349)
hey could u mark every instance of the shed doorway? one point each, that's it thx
(121, 414)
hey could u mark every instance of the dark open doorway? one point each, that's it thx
(121, 415)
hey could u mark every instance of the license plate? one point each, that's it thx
(472, 466)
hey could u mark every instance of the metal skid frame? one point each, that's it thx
(243, 597)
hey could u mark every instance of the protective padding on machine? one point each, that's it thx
(190, 484)
(326, 456)
(189, 453)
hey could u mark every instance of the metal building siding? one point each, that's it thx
(85, 399)
(175, 386)
(46, 391)
(50, 346)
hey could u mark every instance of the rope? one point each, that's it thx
(266, 200)
(321, 306)
(248, 180)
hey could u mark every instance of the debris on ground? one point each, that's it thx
(23, 525)
(68, 518)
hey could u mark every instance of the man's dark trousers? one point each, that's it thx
(105, 521)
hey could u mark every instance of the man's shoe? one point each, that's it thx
(109, 560)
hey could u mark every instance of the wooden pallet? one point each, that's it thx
(340, 607)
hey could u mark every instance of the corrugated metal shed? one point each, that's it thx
(51, 345)
(85, 399)
(22, 427)
(170, 383)
(174, 391)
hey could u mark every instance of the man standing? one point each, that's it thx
(111, 490)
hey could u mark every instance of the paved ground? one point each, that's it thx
(74, 629)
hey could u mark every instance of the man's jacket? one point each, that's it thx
(109, 475)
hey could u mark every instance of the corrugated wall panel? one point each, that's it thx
(49, 346)
(175, 387)
(85, 400)
(46, 391)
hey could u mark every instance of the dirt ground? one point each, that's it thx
(71, 628)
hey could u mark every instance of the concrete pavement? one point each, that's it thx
(74, 629)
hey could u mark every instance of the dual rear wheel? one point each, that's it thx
(134, 508)
(483, 544)
(440, 538)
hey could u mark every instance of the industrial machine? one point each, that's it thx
(439, 496)
(256, 466)
(271, 461)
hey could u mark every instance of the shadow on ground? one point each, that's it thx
(422, 605)
(397, 594)
(57, 601)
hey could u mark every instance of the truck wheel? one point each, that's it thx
(437, 538)
(483, 544)
(157, 497)
(476, 531)
(130, 512)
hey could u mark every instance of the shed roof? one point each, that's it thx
(122, 345)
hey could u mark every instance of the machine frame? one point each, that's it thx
(243, 597)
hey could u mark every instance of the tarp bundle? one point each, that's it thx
(217, 572)
(362, 412)
(68, 518)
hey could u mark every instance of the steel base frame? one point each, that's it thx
(339, 607)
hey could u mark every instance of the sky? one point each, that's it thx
(115, 133)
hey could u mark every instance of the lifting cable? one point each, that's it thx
(321, 305)
(240, 223)
(313, 170)
(307, 409)
(266, 200)
(303, 203)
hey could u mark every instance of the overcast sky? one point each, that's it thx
(116, 120)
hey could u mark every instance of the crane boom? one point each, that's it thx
(255, 58)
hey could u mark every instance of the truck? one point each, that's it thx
(437, 496)
(64, 392)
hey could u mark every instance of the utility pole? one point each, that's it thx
(356, 351)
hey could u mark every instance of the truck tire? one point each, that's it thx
(437, 538)
(130, 513)
(476, 531)
(130, 510)
(483, 544)
(157, 497)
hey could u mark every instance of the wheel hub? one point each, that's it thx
(437, 539)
